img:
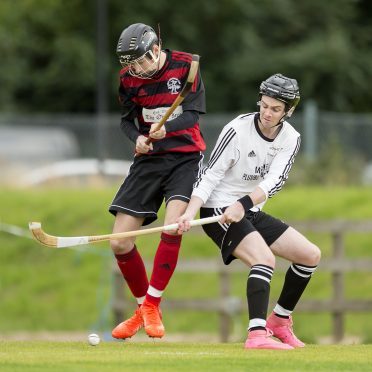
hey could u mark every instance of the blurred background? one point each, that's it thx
(62, 154)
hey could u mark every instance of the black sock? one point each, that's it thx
(258, 328)
(281, 316)
(258, 291)
(296, 280)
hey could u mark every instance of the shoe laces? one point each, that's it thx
(289, 326)
(269, 332)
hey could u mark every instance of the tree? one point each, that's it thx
(48, 49)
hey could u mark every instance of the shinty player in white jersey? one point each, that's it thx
(249, 164)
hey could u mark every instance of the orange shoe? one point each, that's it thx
(151, 316)
(130, 327)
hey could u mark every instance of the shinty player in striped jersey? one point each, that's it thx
(166, 169)
(249, 164)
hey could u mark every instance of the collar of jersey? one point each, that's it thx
(166, 64)
(256, 117)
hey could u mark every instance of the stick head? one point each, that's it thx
(41, 236)
(191, 76)
(34, 225)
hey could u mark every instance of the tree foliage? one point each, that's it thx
(48, 49)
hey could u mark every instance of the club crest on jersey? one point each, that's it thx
(174, 85)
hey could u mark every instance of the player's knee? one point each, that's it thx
(269, 260)
(265, 258)
(121, 246)
(314, 255)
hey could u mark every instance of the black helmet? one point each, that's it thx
(283, 89)
(134, 42)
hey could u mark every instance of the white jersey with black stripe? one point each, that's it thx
(243, 158)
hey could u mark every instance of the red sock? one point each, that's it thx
(165, 263)
(134, 272)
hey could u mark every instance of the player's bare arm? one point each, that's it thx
(190, 213)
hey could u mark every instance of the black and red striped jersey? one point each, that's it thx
(148, 99)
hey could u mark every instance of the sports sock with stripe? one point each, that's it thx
(296, 280)
(165, 262)
(258, 291)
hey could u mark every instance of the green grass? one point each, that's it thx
(163, 356)
(70, 289)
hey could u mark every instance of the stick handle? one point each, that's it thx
(201, 221)
(63, 242)
(166, 116)
(128, 234)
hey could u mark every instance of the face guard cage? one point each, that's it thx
(143, 67)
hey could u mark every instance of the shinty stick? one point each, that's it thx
(64, 242)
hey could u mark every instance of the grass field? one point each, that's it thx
(71, 290)
(163, 356)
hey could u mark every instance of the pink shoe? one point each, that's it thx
(283, 330)
(262, 340)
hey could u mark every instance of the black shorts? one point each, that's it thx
(154, 178)
(227, 237)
